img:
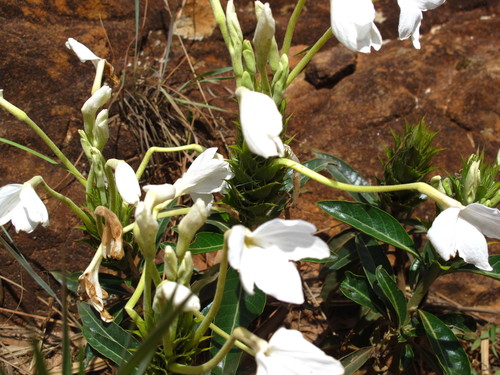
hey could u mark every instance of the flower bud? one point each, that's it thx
(145, 229)
(279, 79)
(248, 57)
(126, 181)
(472, 180)
(170, 263)
(101, 130)
(89, 109)
(190, 224)
(264, 33)
(176, 294)
(186, 269)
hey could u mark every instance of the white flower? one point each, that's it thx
(206, 175)
(126, 181)
(177, 294)
(156, 194)
(288, 353)
(263, 256)
(462, 229)
(83, 53)
(352, 24)
(410, 18)
(261, 123)
(21, 205)
(264, 32)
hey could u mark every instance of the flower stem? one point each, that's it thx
(421, 187)
(22, 116)
(152, 150)
(219, 292)
(309, 55)
(292, 22)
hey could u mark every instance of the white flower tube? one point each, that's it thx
(410, 18)
(264, 32)
(261, 123)
(21, 205)
(263, 256)
(288, 353)
(462, 229)
(353, 24)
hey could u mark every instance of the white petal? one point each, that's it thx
(471, 245)
(485, 219)
(9, 199)
(352, 24)
(33, 205)
(290, 354)
(156, 194)
(442, 233)
(428, 4)
(294, 237)
(409, 20)
(81, 51)
(177, 294)
(127, 183)
(276, 275)
(236, 245)
(261, 123)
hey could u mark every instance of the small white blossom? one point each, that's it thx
(353, 24)
(177, 295)
(126, 181)
(289, 353)
(263, 256)
(462, 229)
(20, 204)
(410, 18)
(83, 53)
(261, 123)
(206, 175)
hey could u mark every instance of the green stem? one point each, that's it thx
(287, 42)
(22, 116)
(225, 335)
(129, 307)
(152, 150)
(309, 55)
(421, 187)
(77, 210)
(185, 369)
(219, 292)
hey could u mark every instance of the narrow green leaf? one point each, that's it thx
(109, 339)
(494, 262)
(372, 221)
(238, 309)
(27, 149)
(358, 289)
(393, 295)
(372, 254)
(353, 361)
(446, 347)
(343, 172)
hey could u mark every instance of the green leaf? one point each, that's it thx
(372, 221)
(343, 172)
(343, 250)
(109, 339)
(450, 354)
(316, 165)
(238, 309)
(358, 289)
(353, 361)
(27, 149)
(110, 283)
(494, 262)
(372, 254)
(206, 242)
(393, 295)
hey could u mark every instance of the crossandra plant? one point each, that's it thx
(173, 318)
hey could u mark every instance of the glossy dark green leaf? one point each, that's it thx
(372, 254)
(206, 242)
(372, 221)
(353, 361)
(448, 350)
(406, 358)
(109, 339)
(238, 309)
(393, 295)
(343, 172)
(358, 289)
(494, 263)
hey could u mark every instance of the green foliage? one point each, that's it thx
(409, 160)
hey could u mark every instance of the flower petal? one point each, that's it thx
(81, 51)
(442, 233)
(294, 237)
(485, 219)
(127, 183)
(177, 294)
(410, 19)
(9, 199)
(236, 246)
(471, 245)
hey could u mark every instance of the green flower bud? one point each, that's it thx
(186, 269)
(89, 109)
(248, 57)
(145, 229)
(279, 79)
(190, 224)
(264, 33)
(171, 263)
(472, 180)
(246, 81)
(101, 130)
